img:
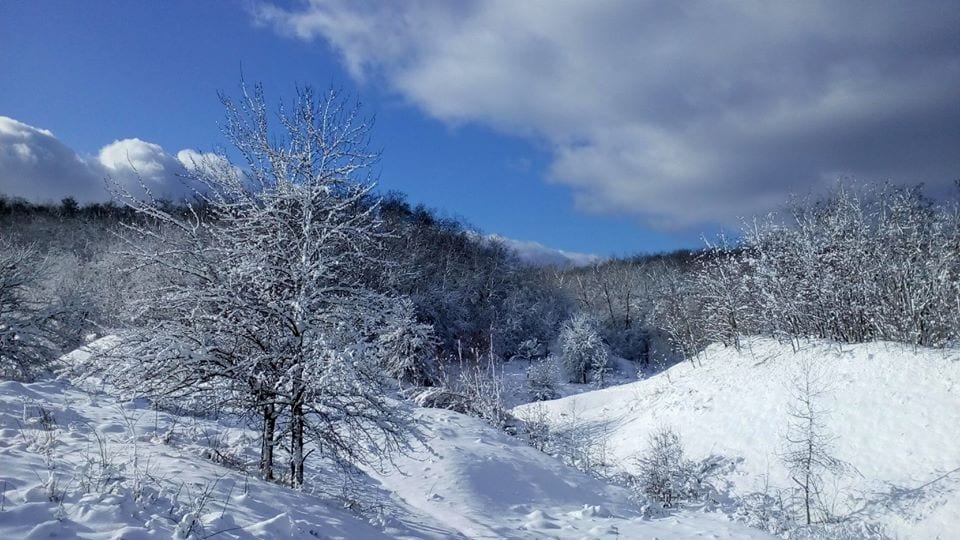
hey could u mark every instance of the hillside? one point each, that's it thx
(894, 412)
(78, 463)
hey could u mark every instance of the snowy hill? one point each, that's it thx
(80, 464)
(895, 413)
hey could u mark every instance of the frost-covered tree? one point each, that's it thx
(726, 307)
(468, 288)
(677, 311)
(583, 350)
(617, 294)
(407, 347)
(263, 300)
(808, 443)
(663, 468)
(26, 323)
(862, 264)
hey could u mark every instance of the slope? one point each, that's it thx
(894, 411)
(79, 463)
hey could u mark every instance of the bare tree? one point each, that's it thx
(678, 312)
(809, 444)
(264, 300)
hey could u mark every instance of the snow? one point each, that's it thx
(140, 486)
(895, 411)
(80, 463)
(516, 385)
(488, 484)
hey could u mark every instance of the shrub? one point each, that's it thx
(530, 349)
(668, 479)
(584, 353)
(663, 468)
(542, 378)
(407, 347)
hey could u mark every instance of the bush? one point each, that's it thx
(668, 479)
(530, 349)
(27, 322)
(584, 353)
(663, 468)
(475, 389)
(542, 378)
(406, 347)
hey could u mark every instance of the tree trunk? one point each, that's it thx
(267, 441)
(297, 456)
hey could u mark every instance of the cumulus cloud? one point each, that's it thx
(37, 166)
(679, 113)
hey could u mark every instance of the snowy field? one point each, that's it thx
(894, 410)
(79, 464)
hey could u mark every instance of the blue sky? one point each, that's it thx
(586, 130)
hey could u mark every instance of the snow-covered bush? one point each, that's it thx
(584, 353)
(542, 379)
(663, 468)
(578, 444)
(531, 349)
(844, 530)
(473, 387)
(536, 428)
(667, 479)
(764, 511)
(406, 347)
(26, 322)
(482, 385)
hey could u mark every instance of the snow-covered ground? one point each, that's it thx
(895, 412)
(81, 464)
(516, 386)
(76, 464)
(487, 484)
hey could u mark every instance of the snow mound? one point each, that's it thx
(895, 411)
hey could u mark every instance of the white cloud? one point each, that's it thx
(679, 113)
(537, 254)
(35, 165)
(132, 160)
